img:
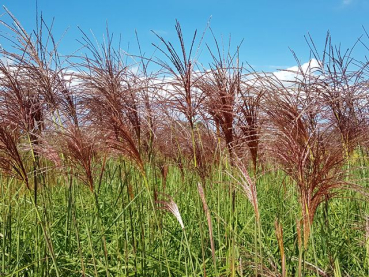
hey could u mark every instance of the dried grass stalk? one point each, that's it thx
(279, 235)
(208, 217)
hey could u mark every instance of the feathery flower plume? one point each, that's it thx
(248, 187)
(170, 206)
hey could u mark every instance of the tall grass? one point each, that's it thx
(259, 176)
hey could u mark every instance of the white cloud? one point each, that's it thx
(293, 73)
(71, 77)
(6, 61)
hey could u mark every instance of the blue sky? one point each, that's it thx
(269, 28)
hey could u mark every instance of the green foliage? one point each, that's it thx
(115, 231)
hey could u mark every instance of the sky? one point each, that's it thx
(268, 30)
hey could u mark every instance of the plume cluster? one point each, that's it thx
(76, 112)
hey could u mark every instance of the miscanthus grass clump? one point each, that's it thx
(110, 168)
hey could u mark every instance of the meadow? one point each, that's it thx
(109, 168)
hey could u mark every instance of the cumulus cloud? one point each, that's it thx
(293, 73)
(6, 61)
